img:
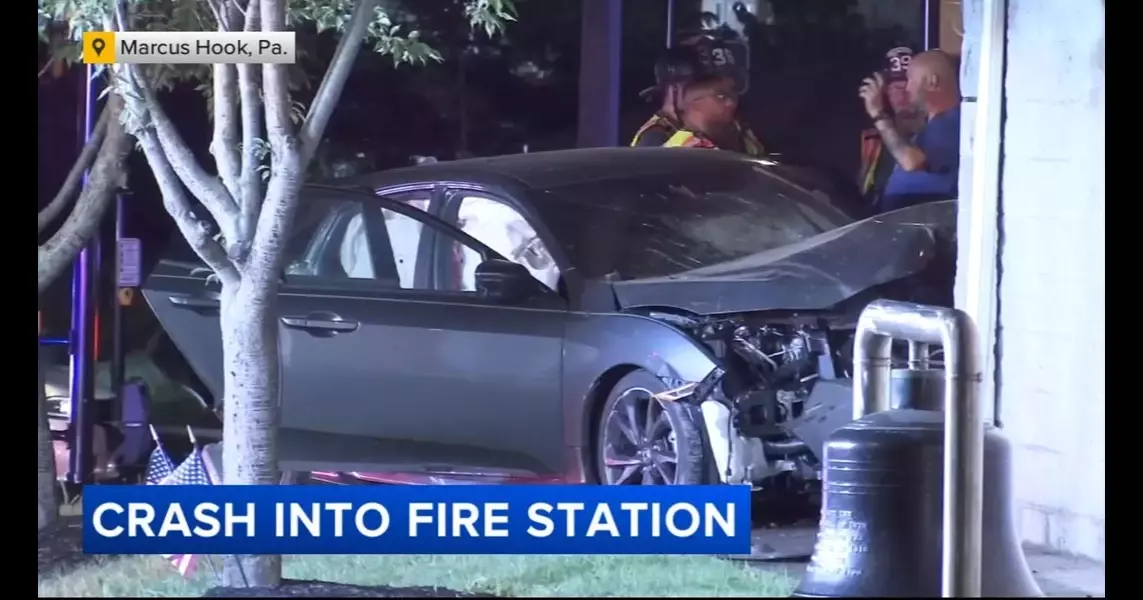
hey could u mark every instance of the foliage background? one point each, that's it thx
(492, 95)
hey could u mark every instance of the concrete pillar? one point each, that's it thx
(601, 26)
(1051, 332)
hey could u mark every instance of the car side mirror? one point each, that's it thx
(504, 280)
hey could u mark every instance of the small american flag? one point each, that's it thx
(159, 465)
(193, 471)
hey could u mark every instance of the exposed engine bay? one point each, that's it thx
(755, 407)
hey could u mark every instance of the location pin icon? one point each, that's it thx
(98, 44)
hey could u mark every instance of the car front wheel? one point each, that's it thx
(645, 441)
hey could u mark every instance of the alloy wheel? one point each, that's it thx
(638, 441)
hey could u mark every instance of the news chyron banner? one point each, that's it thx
(381, 519)
(189, 47)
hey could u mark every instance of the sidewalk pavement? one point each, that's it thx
(1067, 576)
(1058, 575)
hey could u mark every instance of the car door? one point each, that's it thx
(185, 303)
(185, 300)
(522, 358)
(383, 372)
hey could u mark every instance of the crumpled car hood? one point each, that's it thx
(814, 274)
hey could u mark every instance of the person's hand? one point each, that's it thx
(872, 92)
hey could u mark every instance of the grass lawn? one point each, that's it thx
(617, 576)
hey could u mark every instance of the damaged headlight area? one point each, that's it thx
(781, 388)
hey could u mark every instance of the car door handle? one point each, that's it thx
(194, 302)
(320, 324)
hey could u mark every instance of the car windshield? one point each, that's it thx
(659, 225)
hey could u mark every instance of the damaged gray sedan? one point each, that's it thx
(621, 316)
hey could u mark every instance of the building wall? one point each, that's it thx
(1051, 331)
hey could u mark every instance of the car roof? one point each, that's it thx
(540, 170)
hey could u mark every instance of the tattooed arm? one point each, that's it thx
(910, 157)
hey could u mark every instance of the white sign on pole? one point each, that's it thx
(130, 262)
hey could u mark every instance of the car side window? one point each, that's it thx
(506, 231)
(330, 242)
(356, 241)
(405, 233)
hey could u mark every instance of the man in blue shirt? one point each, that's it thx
(928, 165)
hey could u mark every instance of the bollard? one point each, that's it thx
(882, 322)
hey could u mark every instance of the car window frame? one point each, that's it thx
(372, 205)
(322, 237)
(454, 197)
(455, 192)
(319, 245)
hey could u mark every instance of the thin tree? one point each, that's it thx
(105, 154)
(253, 132)
(103, 158)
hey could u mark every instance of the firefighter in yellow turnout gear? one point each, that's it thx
(698, 84)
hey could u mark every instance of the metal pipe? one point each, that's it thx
(918, 356)
(82, 388)
(82, 384)
(880, 323)
(118, 348)
(670, 23)
(932, 24)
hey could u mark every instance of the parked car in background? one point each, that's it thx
(622, 316)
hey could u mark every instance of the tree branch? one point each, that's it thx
(277, 214)
(224, 145)
(207, 188)
(75, 176)
(250, 182)
(148, 113)
(179, 207)
(105, 178)
(275, 80)
(224, 14)
(334, 81)
(285, 162)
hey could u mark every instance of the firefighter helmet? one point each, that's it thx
(698, 58)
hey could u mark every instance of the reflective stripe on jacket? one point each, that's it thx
(682, 138)
(870, 155)
(656, 121)
(687, 139)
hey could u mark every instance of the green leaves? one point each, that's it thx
(490, 15)
(408, 49)
(384, 34)
(396, 30)
(393, 31)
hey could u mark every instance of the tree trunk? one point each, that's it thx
(46, 481)
(107, 175)
(249, 434)
(74, 179)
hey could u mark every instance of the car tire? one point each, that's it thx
(616, 453)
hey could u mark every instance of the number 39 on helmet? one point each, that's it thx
(702, 57)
